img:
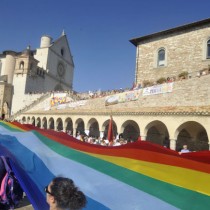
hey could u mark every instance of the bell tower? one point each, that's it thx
(25, 63)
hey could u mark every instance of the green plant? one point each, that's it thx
(183, 74)
(161, 80)
(146, 83)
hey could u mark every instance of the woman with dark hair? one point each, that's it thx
(63, 194)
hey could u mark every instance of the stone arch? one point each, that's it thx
(21, 65)
(93, 128)
(51, 123)
(5, 111)
(28, 120)
(80, 126)
(44, 123)
(193, 134)
(68, 124)
(38, 122)
(59, 124)
(23, 120)
(130, 130)
(33, 121)
(157, 132)
(105, 128)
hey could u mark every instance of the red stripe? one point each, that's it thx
(141, 150)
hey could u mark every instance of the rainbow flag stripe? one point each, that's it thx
(135, 176)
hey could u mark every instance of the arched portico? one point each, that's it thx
(28, 120)
(105, 128)
(51, 123)
(193, 134)
(33, 122)
(79, 126)
(44, 123)
(157, 132)
(5, 111)
(59, 124)
(23, 120)
(130, 130)
(159, 129)
(38, 122)
(68, 124)
(92, 128)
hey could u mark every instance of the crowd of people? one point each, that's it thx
(102, 140)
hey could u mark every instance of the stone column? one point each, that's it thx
(143, 138)
(74, 132)
(173, 144)
(41, 125)
(101, 134)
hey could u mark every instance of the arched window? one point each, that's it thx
(208, 49)
(62, 52)
(161, 57)
(21, 65)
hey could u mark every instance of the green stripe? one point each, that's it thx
(176, 196)
(10, 128)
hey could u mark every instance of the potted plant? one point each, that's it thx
(147, 83)
(161, 80)
(183, 75)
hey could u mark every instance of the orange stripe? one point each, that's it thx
(128, 151)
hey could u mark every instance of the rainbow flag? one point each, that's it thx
(135, 176)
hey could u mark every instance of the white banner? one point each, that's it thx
(77, 103)
(158, 89)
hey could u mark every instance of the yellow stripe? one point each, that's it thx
(185, 178)
(12, 126)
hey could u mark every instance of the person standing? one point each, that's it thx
(184, 149)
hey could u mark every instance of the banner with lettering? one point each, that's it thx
(158, 89)
(123, 97)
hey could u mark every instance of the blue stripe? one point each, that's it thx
(104, 189)
(30, 188)
(95, 184)
(38, 172)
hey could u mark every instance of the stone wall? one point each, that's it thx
(194, 92)
(185, 51)
(188, 92)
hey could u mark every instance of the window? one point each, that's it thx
(62, 52)
(208, 50)
(21, 65)
(161, 57)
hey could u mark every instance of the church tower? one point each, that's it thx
(28, 75)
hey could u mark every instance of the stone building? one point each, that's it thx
(181, 51)
(32, 73)
(170, 114)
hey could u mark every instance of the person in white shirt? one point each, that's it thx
(184, 149)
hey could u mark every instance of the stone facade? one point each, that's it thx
(48, 68)
(185, 50)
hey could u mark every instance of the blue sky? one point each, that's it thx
(98, 32)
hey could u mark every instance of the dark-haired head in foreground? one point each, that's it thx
(63, 194)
